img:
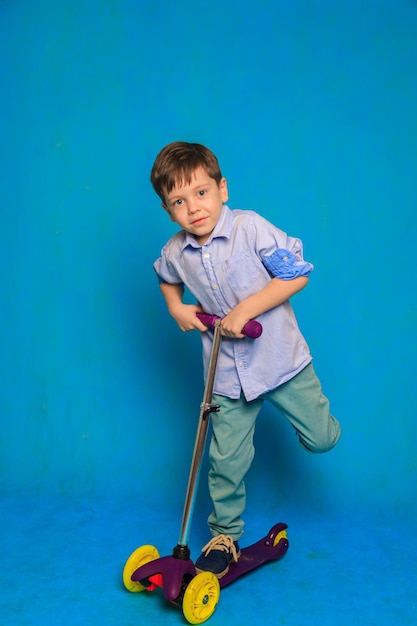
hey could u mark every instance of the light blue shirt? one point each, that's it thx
(241, 256)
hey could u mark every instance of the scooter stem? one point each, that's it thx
(206, 408)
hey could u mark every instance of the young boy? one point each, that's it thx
(239, 267)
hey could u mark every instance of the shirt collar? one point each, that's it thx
(223, 228)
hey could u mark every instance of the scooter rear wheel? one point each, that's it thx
(281, 535)
(139, 557)
(201, 598)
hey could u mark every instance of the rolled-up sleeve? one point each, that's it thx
(280, 253)
(287, 265)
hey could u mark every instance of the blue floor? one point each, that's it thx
(62, 560)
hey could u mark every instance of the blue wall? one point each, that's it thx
(311, 109)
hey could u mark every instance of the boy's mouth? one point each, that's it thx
(199, 222)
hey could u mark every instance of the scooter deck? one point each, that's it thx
(169, 572)
(258, 553)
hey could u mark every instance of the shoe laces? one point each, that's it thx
(221, 542)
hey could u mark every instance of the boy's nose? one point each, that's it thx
(192, 207)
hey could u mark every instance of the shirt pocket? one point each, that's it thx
(242, 271)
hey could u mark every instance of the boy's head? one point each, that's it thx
(187, 178)
(176, 164)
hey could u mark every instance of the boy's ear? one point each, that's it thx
(223, 190)
(164, 206)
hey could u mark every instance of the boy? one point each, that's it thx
(239, 267)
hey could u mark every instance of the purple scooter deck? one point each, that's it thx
(174, 570)
(257, 554)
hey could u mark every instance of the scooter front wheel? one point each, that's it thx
(139, 557)
(201, 598)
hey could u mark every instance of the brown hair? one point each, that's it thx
(177, 162)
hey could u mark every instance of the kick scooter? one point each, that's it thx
(198, 593)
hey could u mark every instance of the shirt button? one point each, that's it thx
(214, 286)
(206, 255)
(240, 363)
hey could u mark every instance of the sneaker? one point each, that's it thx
(217, 555)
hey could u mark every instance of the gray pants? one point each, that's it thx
(231, 451)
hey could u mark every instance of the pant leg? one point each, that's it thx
(231, 453)
(302, 402)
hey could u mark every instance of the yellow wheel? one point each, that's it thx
(139, 557)
(282, 535)
(201, 598)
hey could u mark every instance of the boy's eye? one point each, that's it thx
(202, 192)
(178, 202)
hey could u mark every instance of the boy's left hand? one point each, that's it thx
(232, 324)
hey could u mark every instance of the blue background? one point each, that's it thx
(310, 107)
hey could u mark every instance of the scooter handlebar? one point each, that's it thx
(252, 329)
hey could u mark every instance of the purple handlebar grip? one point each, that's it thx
(252, 329)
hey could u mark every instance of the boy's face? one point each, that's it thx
(196, 207)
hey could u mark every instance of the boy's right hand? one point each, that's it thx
(186, 318)
(183, 314)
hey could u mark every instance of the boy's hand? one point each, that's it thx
(232, 324)
(186, 318)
